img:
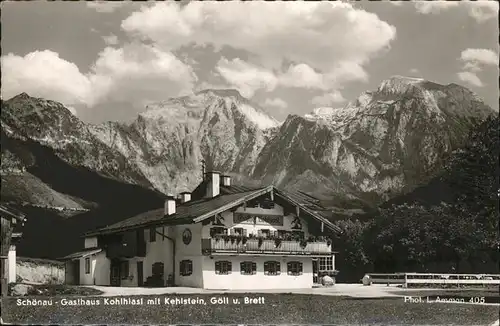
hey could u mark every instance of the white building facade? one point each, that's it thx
(255, 239)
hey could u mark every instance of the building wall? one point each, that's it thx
(254, 228)
(102, 269)
(99, 270)
(258, 281)
(158, 251)
(91, 242)
(191, 251)
(12, 264)
(40, 270)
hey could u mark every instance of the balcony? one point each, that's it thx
(265, 246)
(128, 245)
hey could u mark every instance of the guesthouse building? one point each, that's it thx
(220, 236)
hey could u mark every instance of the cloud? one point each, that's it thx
(139, 74)
(135, 73)
(414, 71)
(105, 6)
(481, 11)
(276, 102)
(246, 77)
(72, 110)
(315, 34)
(470, 78)
(110, 39)
(328, 99)
(303, 76)
(434, 7)
(44, 74)
(479, 56)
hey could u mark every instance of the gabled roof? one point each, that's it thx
(81, 254)
(186, 213)
(198, 210)
(12, 213)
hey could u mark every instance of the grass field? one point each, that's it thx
(275, 309)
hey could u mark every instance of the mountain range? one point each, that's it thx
(383, 144)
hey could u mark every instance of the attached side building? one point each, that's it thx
(11, 218)
(218, 237)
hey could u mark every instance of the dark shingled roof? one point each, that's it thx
(185, 213)
(81, 254)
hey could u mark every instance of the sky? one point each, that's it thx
(107, 61)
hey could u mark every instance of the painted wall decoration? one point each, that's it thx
(249, 218)
(296, 224)
(187, 236)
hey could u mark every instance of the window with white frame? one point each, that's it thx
(326, 264)
(186, 267)
(223, 267)
(294, 268)
(272, 268)
(248, 268)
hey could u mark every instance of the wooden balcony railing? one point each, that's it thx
(265, 246)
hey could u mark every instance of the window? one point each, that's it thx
(326, 264)
(87, 265)
(240, 231)
(264, 233)
(294, 268)
(217, 230)
(152, 234)
(223, 267)
(186, 268)
(248, 268)
(124, 269)
(272, 268)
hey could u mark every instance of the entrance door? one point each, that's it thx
(140, 275)
(315, 271)
(115, 273)
(76, 269)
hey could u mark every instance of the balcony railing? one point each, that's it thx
(265, 246)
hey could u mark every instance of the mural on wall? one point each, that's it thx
(296, 224)
(187, 236)
(249, 218)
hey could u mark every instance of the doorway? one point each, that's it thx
(140, 273)
(115, 273)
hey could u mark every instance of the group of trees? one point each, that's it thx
(457, 233)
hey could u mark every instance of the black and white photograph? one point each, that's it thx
(250, 163)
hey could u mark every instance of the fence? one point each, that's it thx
(431, 279)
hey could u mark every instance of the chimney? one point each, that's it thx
(213, 184)
(226, 180)
(185, 197)
(170, 205)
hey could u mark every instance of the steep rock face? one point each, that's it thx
(386, 142)
(51, 125)
(169, 140)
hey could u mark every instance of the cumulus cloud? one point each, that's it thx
(470, 78)
(105, 6)
(479, 56)
(303, 76)
(276, 102)
(312, 35)
(328, 99)
(247, 78)
(481, 11)
(434, 7)
(44, 74)
(110, 39)
(139, 72)
(135, 73)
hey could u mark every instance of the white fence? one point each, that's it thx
(430, 279)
